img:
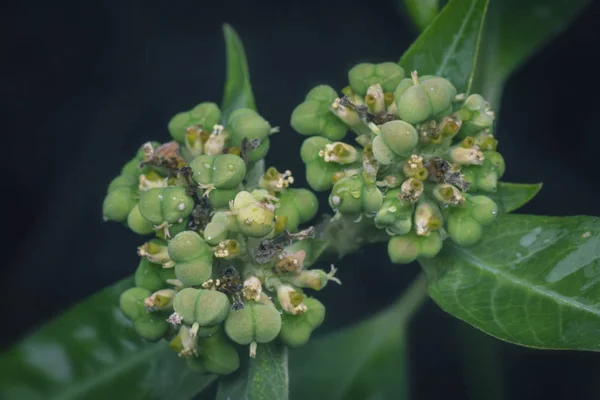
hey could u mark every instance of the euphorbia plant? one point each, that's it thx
(232, 256)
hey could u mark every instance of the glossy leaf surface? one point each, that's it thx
(448, 47)
(511, 196)
(238, 91)
(532, 280)
(92, 352)
(422, 12)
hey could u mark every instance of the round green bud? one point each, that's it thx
(487, 180)
(176, 204)
(186, 246)
(431, 245)
(151, 327)
(212, 307)
(124, 180)
(131, 302)
(306, 203)
(168, 204)
(483, 209)
(224, 171)
(441, 93)
(372, 199)
(413, 105)
(313, 117)
(319, 175)
(296, 329)
(495, 162)
(246, 123)
(346, 195)
(118, 204)
(393, 215)
(400, 137)
(463, 229)
(220, 198)
(137, 223)
(131, 168)
(216, 230)
(309, 151)
(254, 218)
(255, 322)
(178, 125)
(217, 356)
(382, 152)
(403, 249)
(147, 276)
(207, 331)
(259, 152)
(387, 74)
(184, 304)
(206, 114)
(192, 256)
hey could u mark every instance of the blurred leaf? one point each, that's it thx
(262, 378)
(92, 352)
(511, 196)
(238, 91)
(422, 12)
(515, 29)
(532, 280)
(448, 46)
(366, 361)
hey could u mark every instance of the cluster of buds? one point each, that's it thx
(219, 270)
(423, 163)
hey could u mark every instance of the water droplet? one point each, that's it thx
(206, 165)
(392, 209)
(355, 194)
(230, 167)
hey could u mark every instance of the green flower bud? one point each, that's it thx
(204, 114)
(218, 227)
(296, 329)
(161, 300)
(298, 206)
(394, 215)
(397, 138)
(463, 229)
(192, 257)
(483, 209)
(174, 229)
(137, 223)
(254, 218)
(313, 117)
(404, 249)
(220, 198)
(418, 100)
(494, 161)
(430, 245)
(205, 307)
(340, 153)
(165, 205)
(351, 195)
(216, 356)
(131, 302)
(118, 204)
(152, 277)
(224, 171)
(387, 74)
(125, 180)
(246, 123)
(151, 327)
(256, 322)
(319, 173)
(476, 115)
(131, 168)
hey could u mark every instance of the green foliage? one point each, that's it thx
(92, 352)
(531, 281)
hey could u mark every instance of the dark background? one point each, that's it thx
(85, 83)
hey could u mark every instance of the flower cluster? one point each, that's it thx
(423, 163)
(224, 266)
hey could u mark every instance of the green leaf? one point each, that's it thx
(92, 352)
(448, 46)
(238, 91)
(532, 280)
(262, 378)
(511, 196)
(422, 12)
(366, 361)
(514, 31)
